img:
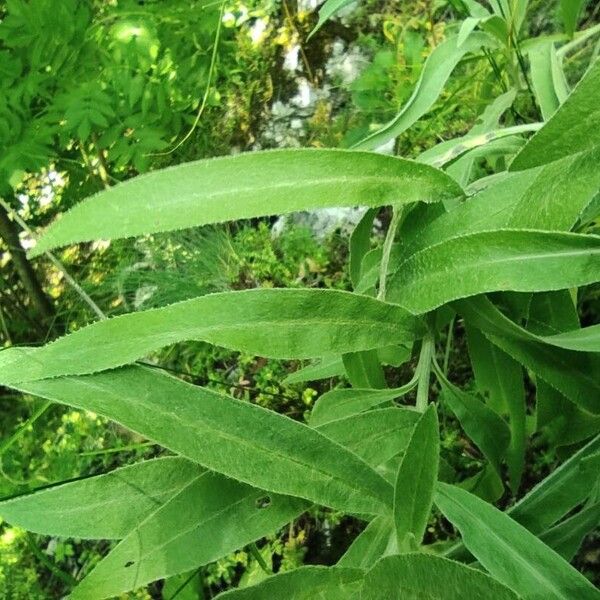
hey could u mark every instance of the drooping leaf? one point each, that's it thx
(428, 577)
(364, 370)
(305, 583)
(540, 58)
(238, 439)
(415, 481)
(517, 260)
(436, 71)
(246, 186)
(282, 323)
(508, 551)
(371, 544)
(208, 519)
(575, 127)
(105, 506)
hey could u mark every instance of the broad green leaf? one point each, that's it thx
(360, 244)
(245, 186)
(508, 551)
(485, 427)
(105, 506)
(305, 583)
(540, 59)
(569, 13)
(324, 368)
(517, 260)
(586, 339)
(370, 545)
(281, 323)
(375, 436)
(575, 127)
(238, 439)
(428, 577)
(364, 370)
(500, 378)
(415, 481)
(211, 517)
(341, 403)
(566, 537)
(564, 489)
(436, 71)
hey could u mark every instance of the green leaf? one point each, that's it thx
(569, 11)
(486, 428)
(124, 497)
(363, 369)
(428, 577)
(305, 583)
(540, 58)
(360, 244)
(283, 323)
(208, 519)
(575, 127)
(559, 493)
(238, 439)
(508, 551)
(324, 368)
(327, 10)
(436, 71)
(517, 260)
(246, 186)
(371, 544)
(341, 403)
(415, 481)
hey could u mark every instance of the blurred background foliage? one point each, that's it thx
(93, 92)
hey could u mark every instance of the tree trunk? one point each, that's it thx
(10, 234)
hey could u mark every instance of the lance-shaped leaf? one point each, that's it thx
(371, 544)
(436, 71)
(305, 583)
(364, 369)
(508, 551)
(360, 244)
(105, 506)
(573, 128)
(427, 577)
(327, 10)
(281, 323)
(238, 439)
(342, 403)
(323, 368)
(540, 58)
(569, 13)
(517, 260)
(415, 481)
(211, 517)
(245, 186)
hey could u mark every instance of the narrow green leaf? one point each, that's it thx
(436, 71)
(569, 13)
(341, 403)
(517, 260)
(211, 517)
(360, 244)
(305, 583)
(283, 323)
(415, 482)
(364, 370)
(238, 439)
(370, 545)
(573, 128)
(540, 58)
(327, 10)
(245, 186)
(509, 552)
(429, 577)
(124, 497)
(324, 368)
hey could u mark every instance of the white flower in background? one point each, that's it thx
(291, 61)
(26, 241)
(305, 96)
(345, 65)
(143, 294)
(228, 19)
(308, 6)
(258, 31)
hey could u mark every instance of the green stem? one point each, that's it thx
(424, 372)
(21, 430)
(449, 344)
(66, 578)
(583, 36)
(259, 558)
(387, 249)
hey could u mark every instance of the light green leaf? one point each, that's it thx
(305, 583)
(371, 544)
(429, 577)
(327, 10)
(540, 58)
(415, 482)
(575, 127)
(238, 439)
(436, 71)
(341, 403)
(246, 186)
(324, 368)
(211, 517)
(569, 12)
(124, 497)
(360, 244)
(283, 323)
(508, 551)
(517, 260)
(364, 370)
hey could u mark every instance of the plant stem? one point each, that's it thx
(424, 372)
(259, 558)
(449, 344)
(387, 249)
(6, 444)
